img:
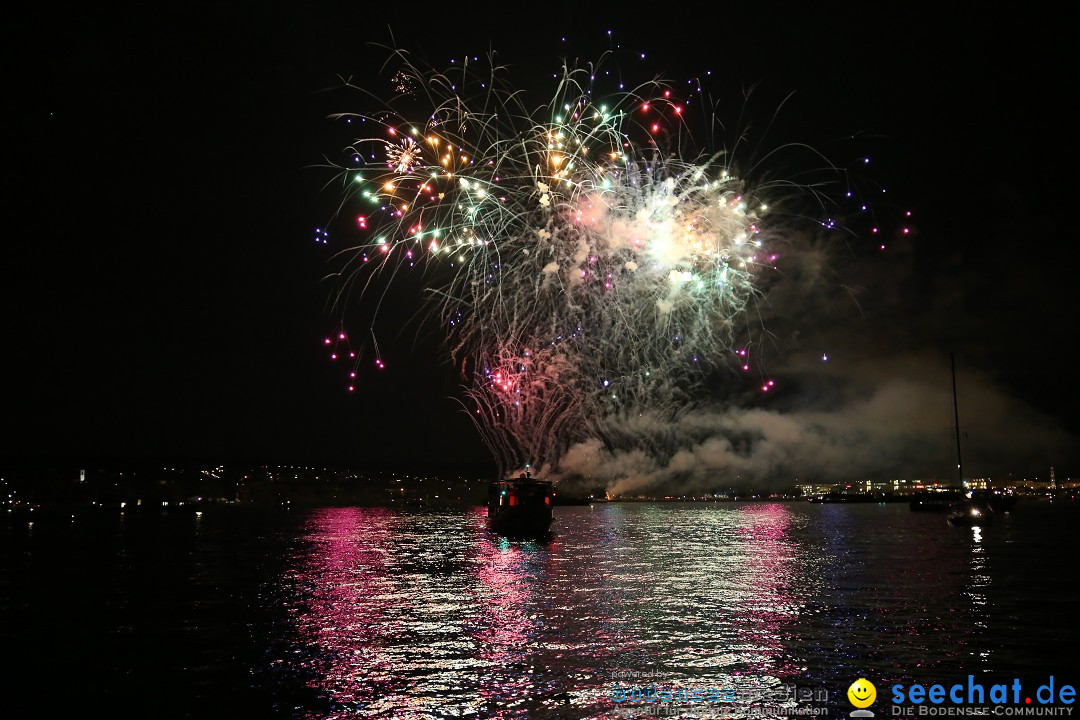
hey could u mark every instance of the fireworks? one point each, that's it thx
(586, 269)
(403, 156)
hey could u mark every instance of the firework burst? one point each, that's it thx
(585, 265)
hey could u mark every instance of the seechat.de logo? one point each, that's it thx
(862, 694)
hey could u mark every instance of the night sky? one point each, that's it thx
(163, 296)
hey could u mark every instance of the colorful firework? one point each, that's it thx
(403, 156)
(587, 266)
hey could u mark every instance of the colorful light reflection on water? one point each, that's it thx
(353, 612)
(428, 614)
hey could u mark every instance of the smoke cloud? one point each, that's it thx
(859, 348)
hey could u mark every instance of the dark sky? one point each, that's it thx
(162, 294)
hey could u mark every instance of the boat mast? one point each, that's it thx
(956, 421)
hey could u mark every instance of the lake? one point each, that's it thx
(422, 613)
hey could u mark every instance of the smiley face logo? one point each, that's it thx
(862, 693)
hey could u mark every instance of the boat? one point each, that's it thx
(843, 497)
(946, 499)
(564, 499)
(940, 500)
(972, 509)
(998, 501)
(971, 513)
(520, 507)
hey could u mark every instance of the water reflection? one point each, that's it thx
(378, 599)
(379, 613)
(772, 572)
(418, 615)
(426, 614)
(510, 630)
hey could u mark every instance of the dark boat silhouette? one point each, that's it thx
(946, 499)
(940, 500)
(842, 497)
(520, 507)
(564, 499)
(974, 508)
(970, 513)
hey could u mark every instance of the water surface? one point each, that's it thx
(375, 612)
